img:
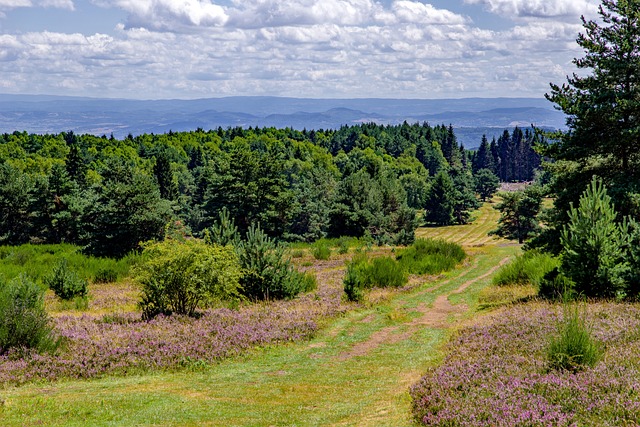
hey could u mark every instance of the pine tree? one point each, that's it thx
(593, 245)
(441, 201)
(602, 107)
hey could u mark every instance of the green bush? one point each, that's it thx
(37, 261)
(180, 277)
(343, 245)
(24, 323)
(66, 283)
(556, 286)
(267, 274)
(526, 269)
(363, 273)
(106, 275)
(429, 256)
(354, 278)
(321, 251)
(574, 347)
(385, 272)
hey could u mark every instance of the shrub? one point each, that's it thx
(66, 283)
(574, 348)
(385, 272)
(429, 256)
(556, 286)
(321, 251)
(224, 231)
(106, 275)
(24, 323)
(180, 277)
(297, 253)
(354, 278)
(364, 274)
(593, 245)
(525, 269)
(343, 245)
(267, 274)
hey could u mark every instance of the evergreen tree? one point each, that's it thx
(603, 115)
(441, 200)
(519, 211)
(593, 245)
(483, 158)
(164, 176)
(486, 184)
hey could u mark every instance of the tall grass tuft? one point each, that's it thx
(526, 269)
(574, 347)
(321, 251)
(430, 256)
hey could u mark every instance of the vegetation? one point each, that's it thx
(66, 283)
(428, 256)
(364, 273)
(593, 246)
(601, 103)
(574, 348)
(423, 257)
(181, 277)
(24, 323)
(519, 211)
(526, 269)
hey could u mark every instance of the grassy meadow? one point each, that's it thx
(320, 360)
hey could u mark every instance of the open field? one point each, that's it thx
(356, 370)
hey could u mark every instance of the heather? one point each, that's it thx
(497, 373)
(121, 343)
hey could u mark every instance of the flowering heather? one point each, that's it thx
(98, 345)
(496, 374)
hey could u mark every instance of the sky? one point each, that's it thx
(186, 49)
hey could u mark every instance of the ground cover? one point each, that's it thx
(496, 372)
(354, 370)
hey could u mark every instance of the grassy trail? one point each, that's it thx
(356, 372)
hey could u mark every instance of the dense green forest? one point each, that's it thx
(368, 180)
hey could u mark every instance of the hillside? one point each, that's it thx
(471, 117)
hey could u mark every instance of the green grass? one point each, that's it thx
(37, 261)
(526, 269)
(355, 372)
(430, 256)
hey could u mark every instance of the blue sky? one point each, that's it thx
(154, 49)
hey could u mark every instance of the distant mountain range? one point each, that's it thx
(471, 117)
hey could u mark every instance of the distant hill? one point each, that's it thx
(471, 117)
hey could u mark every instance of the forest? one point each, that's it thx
(374, 181)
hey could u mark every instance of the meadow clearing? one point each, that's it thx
(319, 360)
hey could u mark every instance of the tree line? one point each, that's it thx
(371, 180)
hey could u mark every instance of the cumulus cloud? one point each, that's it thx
(539, 8)
(14, 4)
(165, 15)
(341, 48)
(426, 14)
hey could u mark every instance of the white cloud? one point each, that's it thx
(168, 15)
(539, 8)
(321, 48)
(14, 4)
(425, 14)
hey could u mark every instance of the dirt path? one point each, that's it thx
(437, 315)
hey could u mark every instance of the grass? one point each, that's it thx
(526, 269)
(37, 261)
(356, 371)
